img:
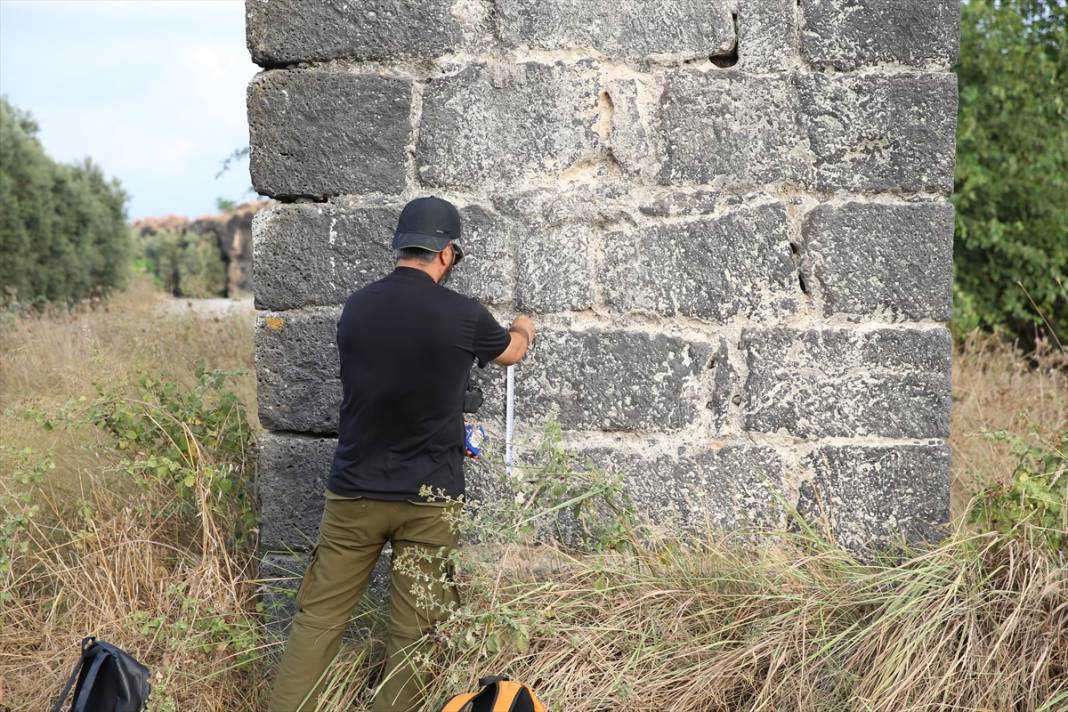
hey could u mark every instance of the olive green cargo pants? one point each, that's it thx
(351, 537)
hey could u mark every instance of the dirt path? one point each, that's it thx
(217, 307)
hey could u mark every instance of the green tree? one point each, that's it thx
(1012, 167)
(62, 227)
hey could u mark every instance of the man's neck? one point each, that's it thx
(418, 265)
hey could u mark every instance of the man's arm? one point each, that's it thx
(522, 333)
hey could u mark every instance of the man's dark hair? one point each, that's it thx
(414, 253)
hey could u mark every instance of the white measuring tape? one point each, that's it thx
(509, 420)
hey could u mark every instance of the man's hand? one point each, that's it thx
(522, 331)
(524, 324)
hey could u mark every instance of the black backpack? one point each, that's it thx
(109, 680)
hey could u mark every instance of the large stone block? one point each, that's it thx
(491, 124)
(487, 272)
(725, 127)
(844, 34)
(628, 102)
(297, 370)
(611, 380)
(719, 267)
(767, 35)
(316, 133)
(733, 487)
(874, 258)
(287, 31)
(553, 270)
(880, 133)
(318, 254)
(832, 133)
(870, 496)
(843, 383)
(631, 29)
(291, 476)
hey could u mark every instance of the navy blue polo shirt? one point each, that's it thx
(407, 345)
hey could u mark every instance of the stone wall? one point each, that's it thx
(728, 218)
(233, 234)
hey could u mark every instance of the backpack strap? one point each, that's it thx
(87, 644)
(85, 690)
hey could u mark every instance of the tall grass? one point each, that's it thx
(125, 531)
(996, 387)
(113, 518)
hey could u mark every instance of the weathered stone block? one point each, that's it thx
(848, 35)
(318, 254)
(492, 124)
(870, 496)
(767, 35)
(628, 129)
(487, 272)
(631, 28)
(320, 133)
(889, 133)
(298, 372)
(611, 380)
(598, 204)
(730, 488)
(872, 257)
(288, 31)
(553, 270)
(725, 127)
(870, 133)
(738, 264)
(843, 383)
(291, 477)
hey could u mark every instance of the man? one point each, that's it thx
(407, 345)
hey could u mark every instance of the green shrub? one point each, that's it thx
(1011, 193)
(1034, 504)
(196, 441)
(62, 227)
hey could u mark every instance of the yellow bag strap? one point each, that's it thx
(459, 702)
(538, 706)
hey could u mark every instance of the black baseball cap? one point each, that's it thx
(429, 224)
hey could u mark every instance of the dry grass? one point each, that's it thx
(123, 574)
(976, 624)
(979, 623)
(62, 354)
(996, 387)
(102, 554)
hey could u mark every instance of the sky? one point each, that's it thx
(153, 91)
